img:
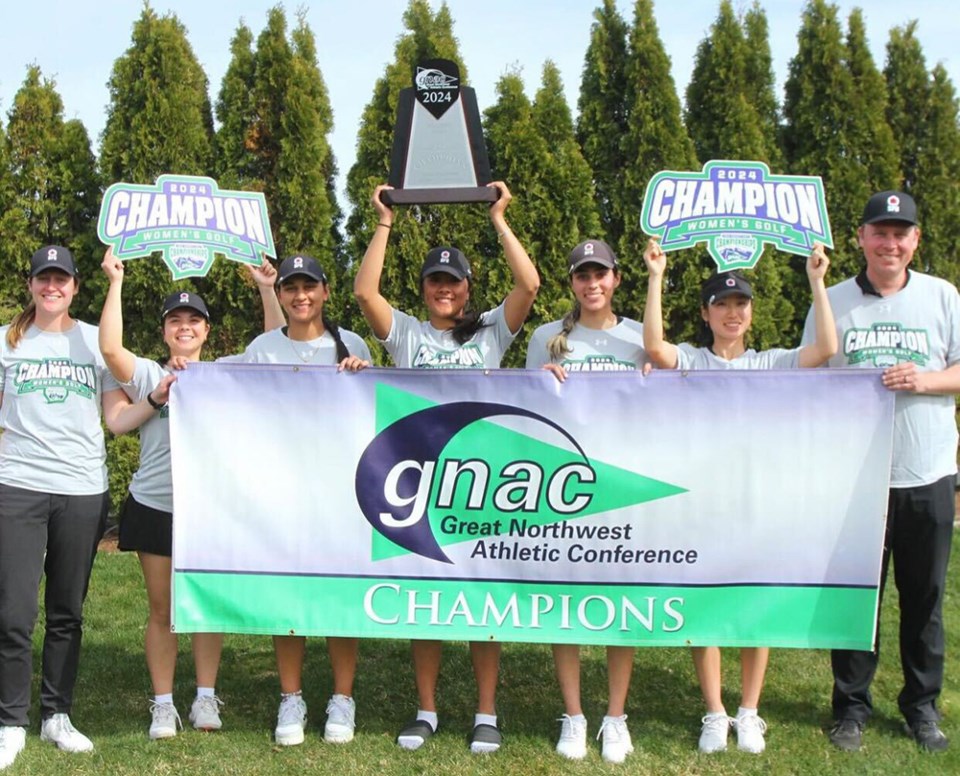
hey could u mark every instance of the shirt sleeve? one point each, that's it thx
(537, 355)
(497, 320)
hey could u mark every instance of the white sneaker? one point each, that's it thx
(205, 713)
(616, 739)
(60, 731)
(750, 730)
(713, 734)
(164, 720)
(573, 737)
(291, 721)
(341, 711)
(12, 741)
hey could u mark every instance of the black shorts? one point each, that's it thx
(145, 529)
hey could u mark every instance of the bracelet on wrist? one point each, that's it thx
(154, 403)
(389, 226)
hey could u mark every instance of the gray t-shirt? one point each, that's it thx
(152, 484)
(53, 383)
(416, 344)
(275, 347)
(692, 357)
(918, 323)
(591, 350)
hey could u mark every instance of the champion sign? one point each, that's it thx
(189, 219)
(735, 208)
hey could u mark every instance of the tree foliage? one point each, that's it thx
(429, 35)
(731, 111)
(532, 145)
(602, 119)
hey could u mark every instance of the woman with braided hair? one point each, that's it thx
(591, 338)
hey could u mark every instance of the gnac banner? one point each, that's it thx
(732, 508)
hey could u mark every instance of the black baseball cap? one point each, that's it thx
(53, 257)
(890, 206)
(179, 299)
(722, 285)
(591, 252)
(446, 259)
(301, 264)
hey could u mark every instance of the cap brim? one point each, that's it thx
(305, 273)
(603, 262)
(889, 218)
(725, 292)
(57, 267)
(195, 309)
(444, 270)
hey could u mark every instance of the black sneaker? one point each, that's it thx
(847, 734)
(415, 734)
(485, 739)
(928, 735)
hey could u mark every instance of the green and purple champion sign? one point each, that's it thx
(187, 218)
(736, 208)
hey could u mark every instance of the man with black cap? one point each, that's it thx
(908, 323)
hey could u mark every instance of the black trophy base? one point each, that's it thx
(439, 196)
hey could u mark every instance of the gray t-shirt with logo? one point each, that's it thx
(275, 347)
(152, 484)
(415, 344)
(53, 383)
(918, 323)
(692, 357)
(617, 349)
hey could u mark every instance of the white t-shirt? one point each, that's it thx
(919, 323)
(416, 344)
(275, 347)
(616, 349)
(53, 383)
(692, 357)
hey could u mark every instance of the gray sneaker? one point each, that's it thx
(205, 713)
(291, 721)
(616, 739)
(12, 741)
(713, 734)
(59, 730)
(164, 720)
(341, 712)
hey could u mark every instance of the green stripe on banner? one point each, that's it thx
(575, 613)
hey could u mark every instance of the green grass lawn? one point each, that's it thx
(664, 707)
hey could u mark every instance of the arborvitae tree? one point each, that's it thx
(760, 82)
(234, 162)
(719, 114)
(76, 189)
(602, 119)
(158, 121)
(35, 131)
(53, 186)
(656, 139)
(415, 229)
(533, 146)
(15, 242)
(937, 186)
(870, 131)
(825, 131)
(159, 118)
(568, 208)
(908, 98)
(725, 124)
(275, 118)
